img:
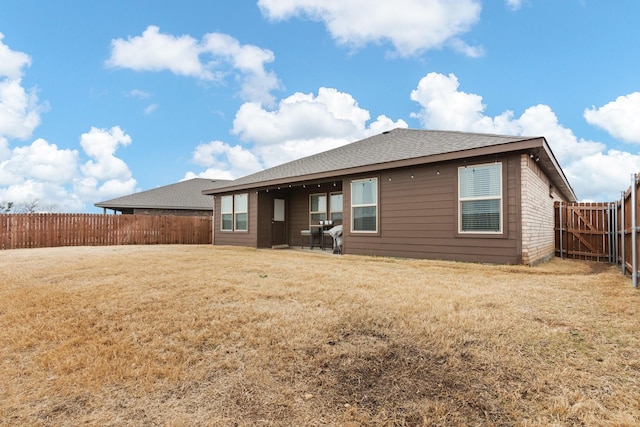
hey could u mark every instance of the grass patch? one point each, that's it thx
(202, 335)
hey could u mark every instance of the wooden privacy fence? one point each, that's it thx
(601, 231)
(50, 230)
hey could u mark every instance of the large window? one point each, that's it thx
(364, 205)
(480, 198)
(335, 206)
(317, 208)
(234, 212)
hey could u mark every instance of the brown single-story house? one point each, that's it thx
(182, 198)
(406, 193)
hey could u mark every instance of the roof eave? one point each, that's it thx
(120, 207)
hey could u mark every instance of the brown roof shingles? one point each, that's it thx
(398, 144)
(181, 195)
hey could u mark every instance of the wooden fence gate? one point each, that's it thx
(584, 231)
(601, 231)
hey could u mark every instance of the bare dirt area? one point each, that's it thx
(203, 335)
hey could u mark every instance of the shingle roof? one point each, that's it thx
(388, 149)
(182, 195)
(395, 145)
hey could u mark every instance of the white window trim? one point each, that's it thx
(471, 199)
(311, 213)
(331, 210)
(233, 213)
(223, 213)
(365, 205)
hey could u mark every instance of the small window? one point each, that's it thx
(480, 198)
(364, 205)
(317, 208)
(335, 206)
(240, 211)
(226, 212)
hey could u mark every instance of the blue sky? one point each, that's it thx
(103, 99)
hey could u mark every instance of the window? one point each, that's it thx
(364, 205)
(233, 212)
(240, 207)
(480, 198)
(317, 208)
(335, 205)
(226, 212)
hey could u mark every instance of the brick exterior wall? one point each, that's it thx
(538, 216)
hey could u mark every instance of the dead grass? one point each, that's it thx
(202, 335)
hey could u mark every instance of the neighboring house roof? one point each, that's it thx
(398, 148)
(181, 195)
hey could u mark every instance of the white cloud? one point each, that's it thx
(38, 172)
(12, 62)
(139, 94)
(250, 61)
(445, 107)
(5, 152)
(514, 4)
(620, 118)
(412, 26)
(154, 51)
(224, 161)
(602, 176)
(183, 55)
(305, 124)
(47, 196)
(52, 176)
(39, 161)
(41, 172)
(19, 109)
(106, 176)
(101, 145)
(150, 108)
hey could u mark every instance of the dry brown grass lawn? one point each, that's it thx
(202, 335)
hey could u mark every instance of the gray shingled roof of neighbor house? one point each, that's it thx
(394, 146)
(181, 195)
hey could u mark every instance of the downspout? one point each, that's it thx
(213, 222)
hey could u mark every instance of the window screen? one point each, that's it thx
(480, 196)
(364, 205)
(226, 211)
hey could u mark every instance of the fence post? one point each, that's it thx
(623, 231)
(614, 215)
(609, 222)
(634, 231)
(560, 232)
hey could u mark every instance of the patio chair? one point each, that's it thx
(315, 235)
